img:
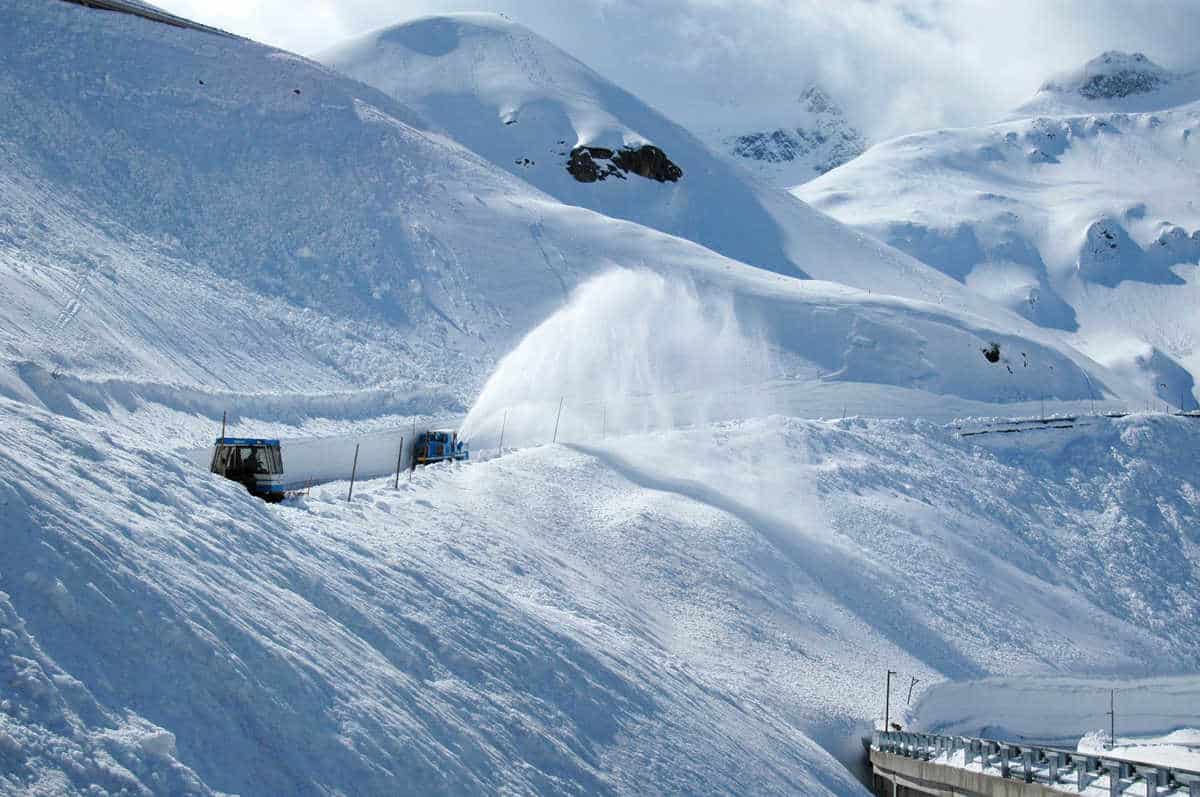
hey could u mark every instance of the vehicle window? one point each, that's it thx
(245, 455)
(262, 460)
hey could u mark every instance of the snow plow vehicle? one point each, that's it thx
(255, 462)
(439, 445)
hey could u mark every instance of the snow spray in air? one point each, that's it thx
(630, 351)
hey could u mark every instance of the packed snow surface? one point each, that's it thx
(706, 610)
(1061, 710)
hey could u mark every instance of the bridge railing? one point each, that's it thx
(1070, 770)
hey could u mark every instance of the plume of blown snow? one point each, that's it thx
(631, 350)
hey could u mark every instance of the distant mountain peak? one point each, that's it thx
(1114, 81)
(1112, 75)
(815, 140)
(817, 101)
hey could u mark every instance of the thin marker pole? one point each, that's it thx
(915, 681)
(503, 426)
(887, 702)
(557, 418)
(353, 472)
(223, 413)
(1112, 718)
(399, 457)
(413, 466)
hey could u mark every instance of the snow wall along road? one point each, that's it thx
(320, 460)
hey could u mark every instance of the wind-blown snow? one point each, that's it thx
(335, 247)
(670, 354)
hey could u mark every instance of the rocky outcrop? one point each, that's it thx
(592, 164)
(1112, 75)
(823, 138)
(1110, 256)
(648, 161)
(1123, 75)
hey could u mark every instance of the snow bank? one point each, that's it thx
(1064, 710)
(1176, 749)
(190, 219)
(401, 642)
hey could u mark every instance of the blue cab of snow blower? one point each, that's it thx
(439, 445)
(255, 462)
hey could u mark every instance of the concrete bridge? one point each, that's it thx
(905, 764)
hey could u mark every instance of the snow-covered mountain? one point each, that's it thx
(1082, 222)
(338, 247)
(815, 137)
(535, 111)
(194, 223)
(1113, 82)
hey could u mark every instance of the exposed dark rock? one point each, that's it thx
(992, 353)
(650, 162)
(590, 164)
(1121, 75)
(825, 137)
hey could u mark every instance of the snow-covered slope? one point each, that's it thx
(622, 617)
(202, 211)
(1083, 223)
(527, 106)
(810, 138)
